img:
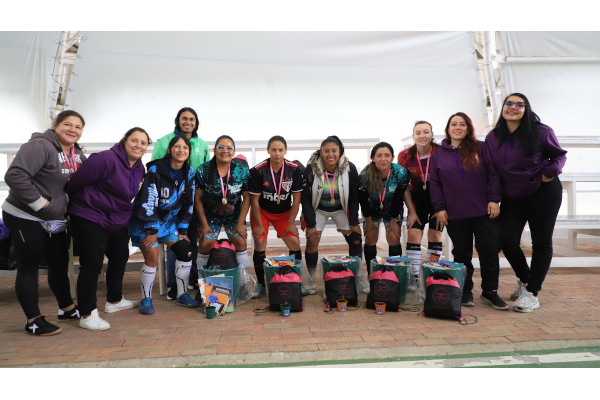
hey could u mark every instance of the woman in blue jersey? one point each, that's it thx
(222, 200)
(382, 186)
(162, 214)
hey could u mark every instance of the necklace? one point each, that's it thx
(331, 189)
(382, 196)
(223, 190)
(275, 183)
(424, 177)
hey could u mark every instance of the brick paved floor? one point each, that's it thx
(570, 313)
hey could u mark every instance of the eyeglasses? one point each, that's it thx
(223, 149)
(519, 104)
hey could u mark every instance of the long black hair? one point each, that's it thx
(185, 170)
(373, 178)
(412, 152)
(335, 140)
(527, 132)
(66, 114)
(184, 109)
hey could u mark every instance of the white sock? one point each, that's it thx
(182, 273)
(413, 252)
(147, 279)
(201, 260)
(242, 258)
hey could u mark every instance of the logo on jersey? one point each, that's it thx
(152, 200)
(287, 185)
(266, 183)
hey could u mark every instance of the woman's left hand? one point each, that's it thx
(394, 227)
(355, 228)
(241, 229)
(291, 228)
(493, 209)
(544, 179)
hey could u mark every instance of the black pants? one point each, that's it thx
(540, 210)
(32, 245)
(487, 244)
(93, 243)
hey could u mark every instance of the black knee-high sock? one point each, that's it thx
(258, 258)
(311, 260)
(396, 250)
(297, 254)
(370, 254)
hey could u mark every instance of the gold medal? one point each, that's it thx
(224, 201)
(381, 206)
(278, 201)
(424, 186)
(332, 201)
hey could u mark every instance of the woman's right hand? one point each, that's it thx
(442, 219)
(258, 231)
(203, 231)
(47, 204)
(369, 226)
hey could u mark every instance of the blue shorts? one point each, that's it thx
(215, 223)
(172, 237)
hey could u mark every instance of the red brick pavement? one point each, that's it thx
(570, 312)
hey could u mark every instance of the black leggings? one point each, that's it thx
(93, 243)
(32, 246)
(540, 210)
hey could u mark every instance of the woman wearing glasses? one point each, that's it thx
(222, 200)
(528, 159)
(274, 183)
(465, 192)
(330, 191)
(162, 213)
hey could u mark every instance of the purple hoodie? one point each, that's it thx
(103, 187)
(520, 176)
(462, 193)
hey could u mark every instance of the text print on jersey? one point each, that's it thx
(152, 202)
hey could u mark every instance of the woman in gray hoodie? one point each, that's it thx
(34, 213)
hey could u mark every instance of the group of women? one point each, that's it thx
(483, 190)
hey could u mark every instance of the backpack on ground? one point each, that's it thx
(285, 287)
(340, 284)
(443, 297)
(222, 255)
(385, 287)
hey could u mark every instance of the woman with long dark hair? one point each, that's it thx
(162, 213)
(34, 213)
(275, 187)
(417, 160)
(382, 187)
(101, 194)
(222, 199)
(330, 191)
(528, 159)
(465, 192)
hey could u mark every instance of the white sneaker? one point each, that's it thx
(520, 289)
(94, 322)
(120, 306)
(527, 302)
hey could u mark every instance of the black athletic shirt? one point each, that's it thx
(261, 184)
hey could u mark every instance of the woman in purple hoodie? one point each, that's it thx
(465, 192)
(528, 159)
(101, 193)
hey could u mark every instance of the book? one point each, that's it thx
(222, 285)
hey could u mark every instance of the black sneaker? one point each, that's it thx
(41, 327)
(172, 292)
(467, 299)
(493, 300)
(66, 316)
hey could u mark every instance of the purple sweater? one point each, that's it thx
(520, 176)
(103, 187)
(462, 193)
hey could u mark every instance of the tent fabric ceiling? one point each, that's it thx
(252, 85)
(26, 63)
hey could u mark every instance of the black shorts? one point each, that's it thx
(425, 211)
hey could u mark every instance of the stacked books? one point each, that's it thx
(339, 259)
(439, 264)
(389, 261)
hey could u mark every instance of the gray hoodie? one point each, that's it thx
(38, 174)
